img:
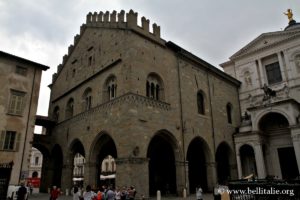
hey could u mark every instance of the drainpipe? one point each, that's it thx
(212, 118)
(27, 124)
(181, 120)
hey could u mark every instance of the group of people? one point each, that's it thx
(105, 193)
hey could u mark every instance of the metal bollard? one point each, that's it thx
(184, 193)
(158, 195)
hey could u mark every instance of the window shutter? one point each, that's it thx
(17, 141)
(12, 104)
(2, 139)
(19, 105)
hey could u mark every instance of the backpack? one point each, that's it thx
(99, 195)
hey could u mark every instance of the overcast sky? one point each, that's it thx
(42, 30)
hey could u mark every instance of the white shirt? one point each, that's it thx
(89, 195)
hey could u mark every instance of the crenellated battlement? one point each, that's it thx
(117, 20)
(113, 20)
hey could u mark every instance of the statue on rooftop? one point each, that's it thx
(289, 14)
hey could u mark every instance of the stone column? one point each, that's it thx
(182, 170)
(262, 73)
(46, 176)
(133, 171)
(211, 175)
(260, 162)
(67, 176)
(295, 132)
(90, 174)
(281, 64)
(239, 164)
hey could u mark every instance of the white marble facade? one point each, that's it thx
(268, 142)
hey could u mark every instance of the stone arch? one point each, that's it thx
(224, 161)
(162, 152)
(276, 129)
(102, 146)
(110, 88)
(69, 112)
(77, 158)
(199, 158)
(76, 146)
(87, 99)
(274, 110)
(248, 163)
(272, 120)
(155, 86)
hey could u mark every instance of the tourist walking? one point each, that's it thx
(22, 192)
(199, 195)
(118, 194)
(89, 194)
(110, 195)
(131, 193)
(124, 193)
(55, 192)
(76, 194)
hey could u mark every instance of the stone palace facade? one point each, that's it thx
(166, 116)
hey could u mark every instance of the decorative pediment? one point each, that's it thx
(266, 40)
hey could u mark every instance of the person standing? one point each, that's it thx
(131, 193)
(110, 195)
(54, 193)
(76, 193)
(118, 194)
(199, 192)
(22, 192)
(89, 194)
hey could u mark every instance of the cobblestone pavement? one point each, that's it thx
(44, 196)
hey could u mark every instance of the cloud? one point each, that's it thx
(42, 30)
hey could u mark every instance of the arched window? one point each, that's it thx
(70, 108)
(87, 99)
(56, 113)
(154, 87)
(229, 113)
(200, 103)
(110, 88)
(35, 174)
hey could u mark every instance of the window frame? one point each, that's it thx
(201, 104)
(273, 73)
(229, 109)
(22, 71)
(6, 143)
(16, 102)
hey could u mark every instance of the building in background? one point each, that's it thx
(35, 168)
(20, 84)
(78, 171)
(268, 142)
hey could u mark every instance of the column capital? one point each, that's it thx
(210, 164)
(181, 163)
